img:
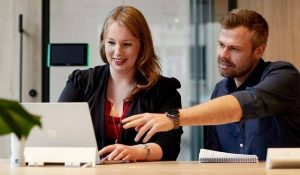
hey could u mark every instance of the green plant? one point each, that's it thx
(15, 119)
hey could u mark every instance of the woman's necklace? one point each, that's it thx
(116, 124)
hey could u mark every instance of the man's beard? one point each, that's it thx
(235, 72)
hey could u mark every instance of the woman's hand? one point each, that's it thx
(148, 122)
(120, 152)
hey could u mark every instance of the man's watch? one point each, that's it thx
(174, 115)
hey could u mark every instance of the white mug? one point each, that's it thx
(17, 151)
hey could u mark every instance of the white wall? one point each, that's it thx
(10, 54)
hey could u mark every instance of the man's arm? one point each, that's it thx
(221, 110)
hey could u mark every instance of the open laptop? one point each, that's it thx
(66, 127)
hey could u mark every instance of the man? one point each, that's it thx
(257, 104)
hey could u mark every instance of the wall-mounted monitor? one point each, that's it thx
(68, 54)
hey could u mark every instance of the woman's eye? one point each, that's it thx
(110, 42)
(127, 44)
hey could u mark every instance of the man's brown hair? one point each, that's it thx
(250, 19)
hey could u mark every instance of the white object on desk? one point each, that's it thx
(70, 156)
(211, 156)
(17, 151)
(283, 158)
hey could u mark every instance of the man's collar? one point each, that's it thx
(252, 80)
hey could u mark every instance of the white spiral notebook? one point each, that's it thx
(210, 156)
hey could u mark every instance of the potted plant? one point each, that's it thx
(15, 119)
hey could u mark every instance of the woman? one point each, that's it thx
(129, 83)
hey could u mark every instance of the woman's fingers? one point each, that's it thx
(117, 152)
(107, 149)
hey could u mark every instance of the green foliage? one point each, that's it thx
(15, 119)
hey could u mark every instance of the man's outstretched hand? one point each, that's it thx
(148, 123)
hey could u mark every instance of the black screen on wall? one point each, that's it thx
(68, 54)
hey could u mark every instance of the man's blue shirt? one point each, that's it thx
(270, 101)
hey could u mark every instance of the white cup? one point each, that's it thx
(17, 151)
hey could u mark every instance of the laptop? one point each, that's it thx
(66, 127)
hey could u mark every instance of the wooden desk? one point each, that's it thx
(151, 168)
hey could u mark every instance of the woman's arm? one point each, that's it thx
(140, 152)
(73, 91)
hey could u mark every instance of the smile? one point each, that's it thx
(224, 64)
(119, 61)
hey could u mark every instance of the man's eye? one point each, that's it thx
(235, 49)
(221, 45)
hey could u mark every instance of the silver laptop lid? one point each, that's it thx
(64, 125)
